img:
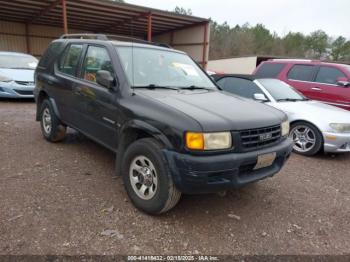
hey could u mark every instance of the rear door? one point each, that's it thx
(301, 77)
(98, 108)
(327, 90)
(65, 82)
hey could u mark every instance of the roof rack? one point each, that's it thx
(112, 37)
(84, 36)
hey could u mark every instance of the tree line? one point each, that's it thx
(226, 41)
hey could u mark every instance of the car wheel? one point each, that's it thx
(147, 178)
(306, 137)
(51, 127)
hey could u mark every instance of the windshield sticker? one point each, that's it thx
(187, 69)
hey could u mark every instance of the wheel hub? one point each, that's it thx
(146, 177)
(302, 138)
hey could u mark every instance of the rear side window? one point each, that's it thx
(269, 70)
(328, 75)
(70, 59)
(51, 52)
(239, 86)
(97, 58)
(301, 72)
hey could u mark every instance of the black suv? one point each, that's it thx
(172, 129)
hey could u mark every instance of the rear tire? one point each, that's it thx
(307, 139)
(147, 178)
(51, 127)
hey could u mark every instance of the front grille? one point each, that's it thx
(260, 137)
(25, 83)
(24, 92)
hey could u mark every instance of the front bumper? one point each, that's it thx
(336, 142)
(206, 174)
(14, 90)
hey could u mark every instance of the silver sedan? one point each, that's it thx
(17, 75)
(313, 124)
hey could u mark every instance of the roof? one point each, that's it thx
(266, 57)
(128, 41)
(145, 45)
(96, 16)
(247, 77)
(306, 61)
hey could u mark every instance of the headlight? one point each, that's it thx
(285, 128)
(5, 79)
(341, 128)
(208, 141)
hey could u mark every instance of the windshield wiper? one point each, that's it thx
(289, 99)
(28, 68)
(193, 87)
(153, 86)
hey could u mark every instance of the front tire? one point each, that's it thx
(147, 178)
(307, 138)
(51, 127)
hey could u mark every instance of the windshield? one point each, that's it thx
(280, 90)
(18, 61)
(161, 68)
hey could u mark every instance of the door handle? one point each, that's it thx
(316, 88)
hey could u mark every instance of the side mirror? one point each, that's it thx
(343, 81)
(105, 79)
(260, 97)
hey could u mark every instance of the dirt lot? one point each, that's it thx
(60, 198)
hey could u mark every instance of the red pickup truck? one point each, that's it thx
(325, 82)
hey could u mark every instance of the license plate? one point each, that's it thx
(265, 160)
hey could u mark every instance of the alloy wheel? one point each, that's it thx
(46, 119)
(143, 177)
(304, 138)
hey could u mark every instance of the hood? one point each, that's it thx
(315, 111)
(216, 110)
(18, 74)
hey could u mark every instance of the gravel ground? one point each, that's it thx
(61, 199)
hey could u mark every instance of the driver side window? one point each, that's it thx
(328, 75)
(97, 58)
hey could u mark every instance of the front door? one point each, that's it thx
(99, 112)
(328, 89)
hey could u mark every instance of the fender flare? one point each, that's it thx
(144, 126)
(141, 126)
(55, 108)
(39, 103)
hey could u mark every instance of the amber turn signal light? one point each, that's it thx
(194, 141)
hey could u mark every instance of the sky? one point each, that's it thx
(280, 16)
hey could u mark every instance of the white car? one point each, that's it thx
(313, 125)
(17, 75)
